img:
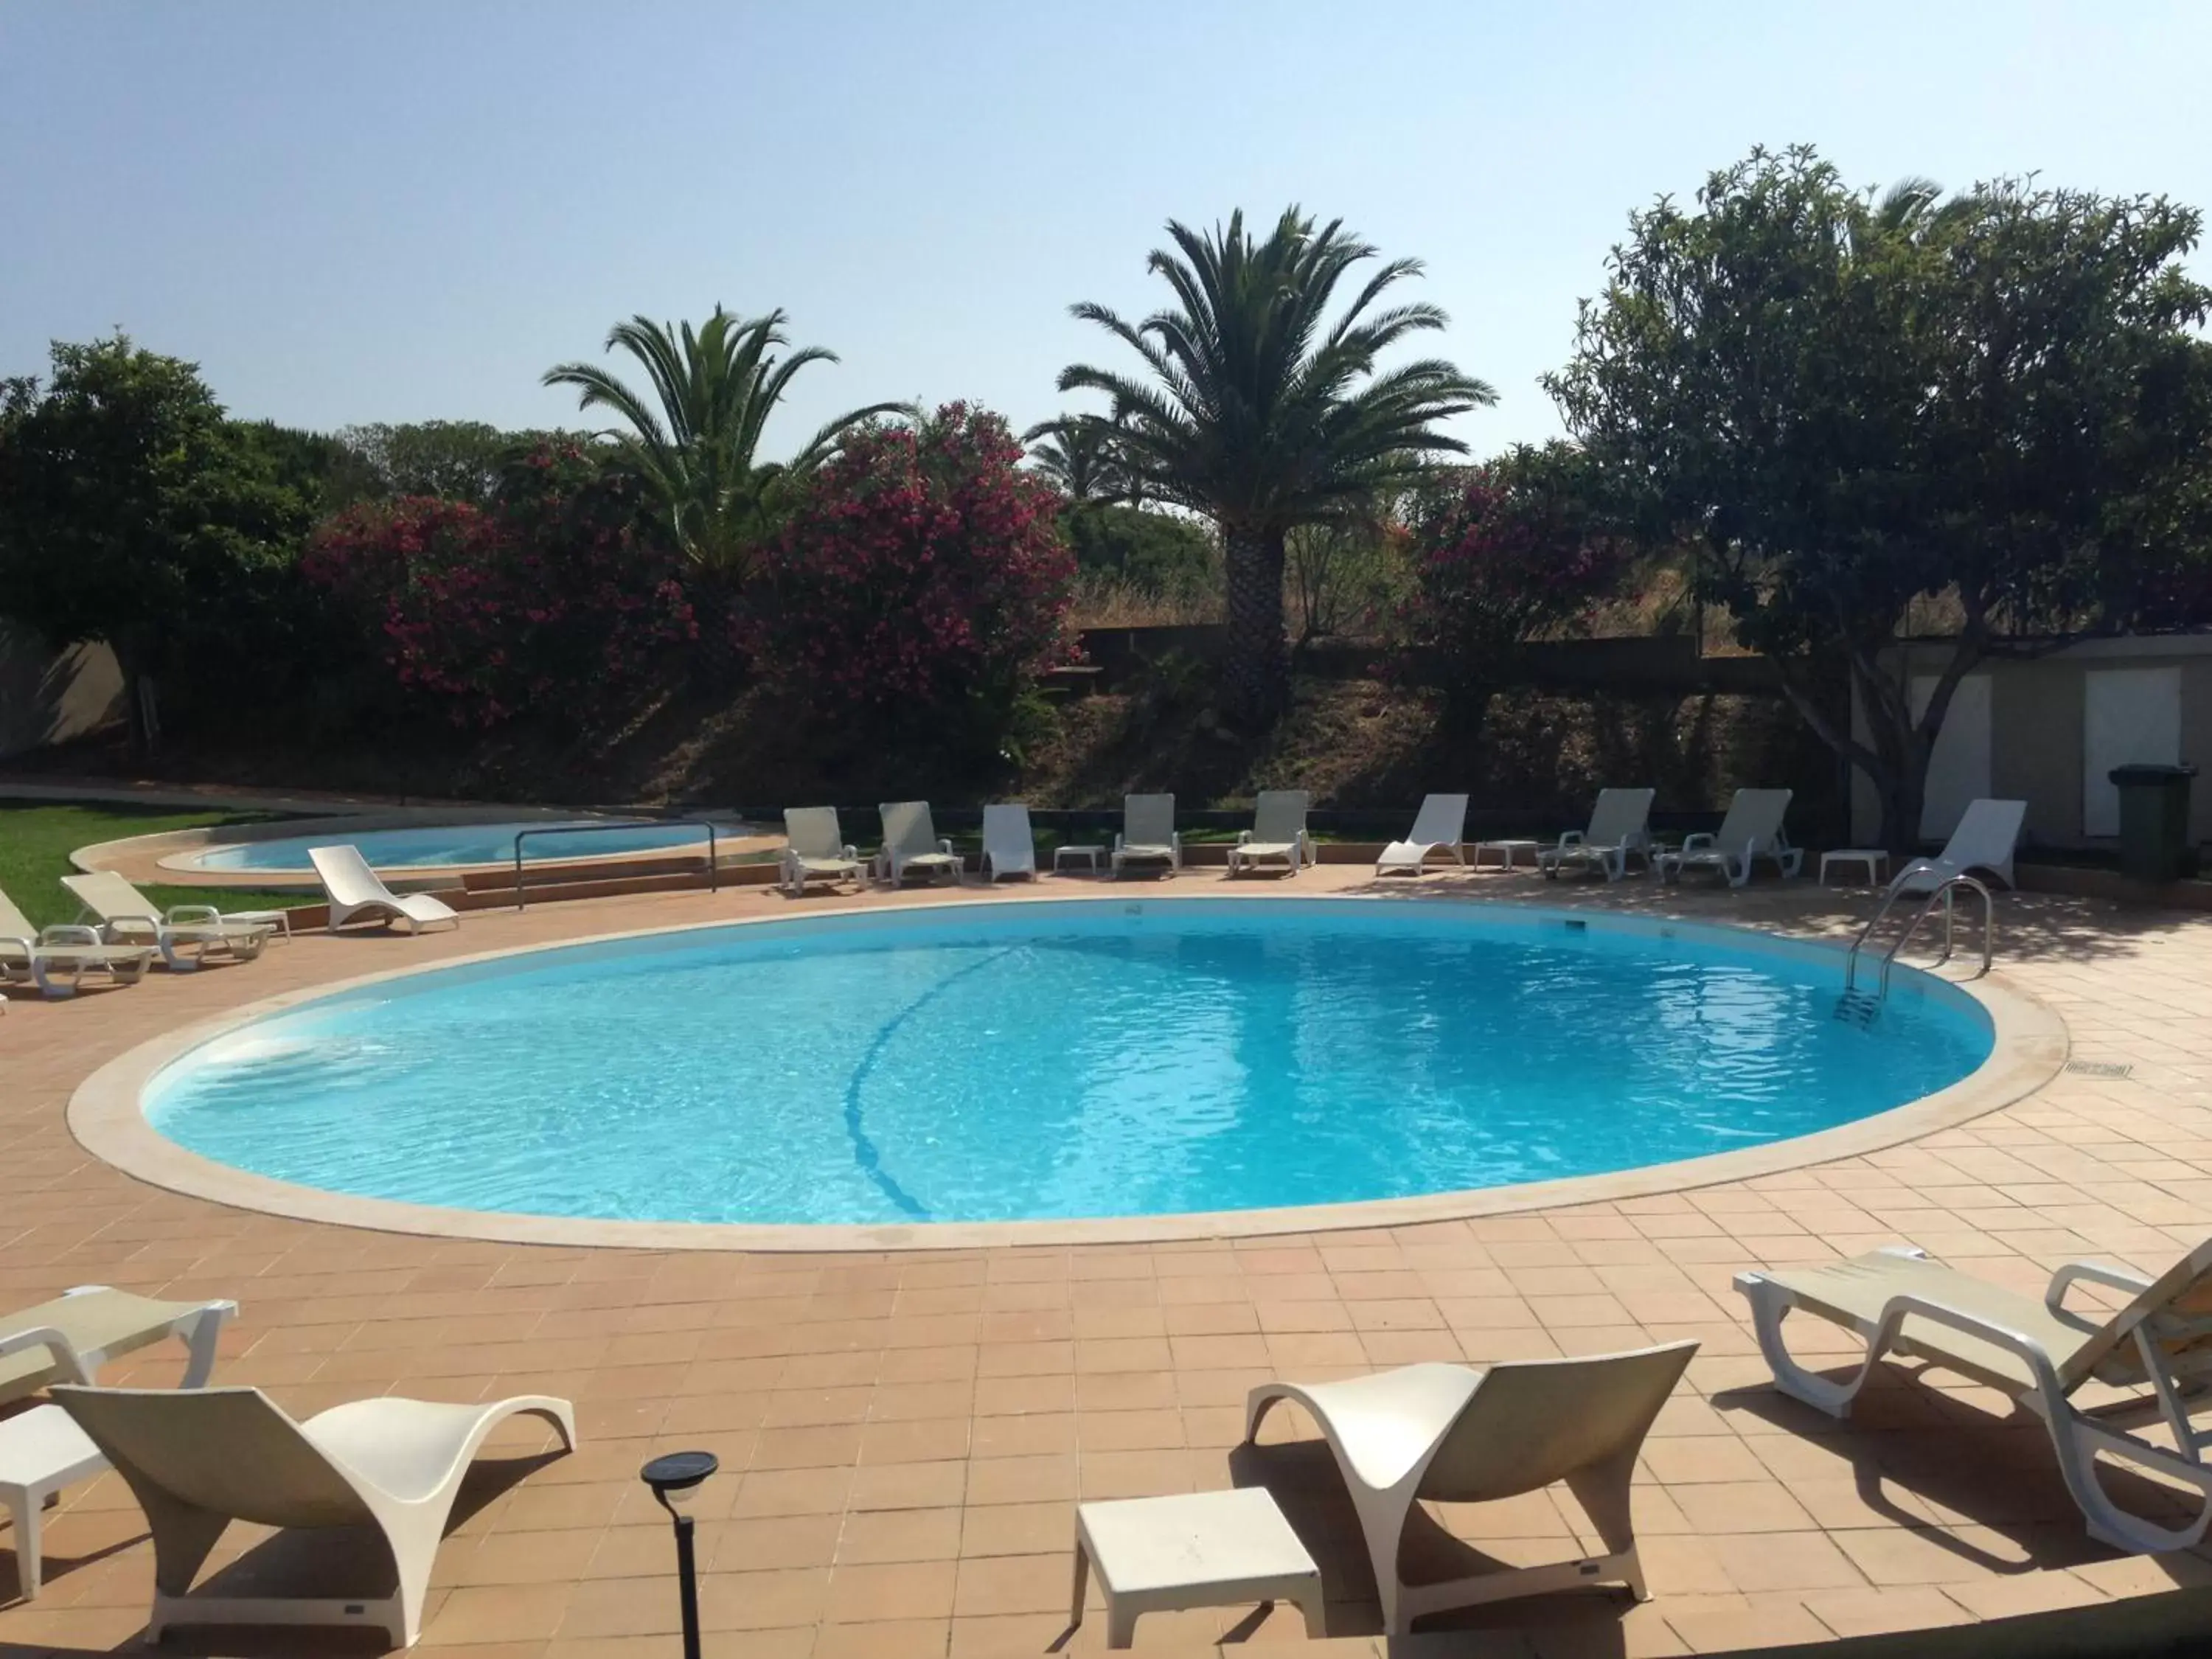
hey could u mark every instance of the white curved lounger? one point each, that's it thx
(1987, 837)
(355, 890)
(1009, 844)
(1460, 1436)
(2040, 1352)
(1441, 823)
(199, 1459)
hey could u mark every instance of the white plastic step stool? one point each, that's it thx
(41, 1451)
(1207, 1549)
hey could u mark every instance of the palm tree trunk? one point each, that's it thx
(1256, 676)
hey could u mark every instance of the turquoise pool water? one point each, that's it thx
(1009, 1060)
(458, 843)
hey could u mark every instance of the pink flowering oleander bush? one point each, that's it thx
(920, 578)
(555, 594)
(1499, 557)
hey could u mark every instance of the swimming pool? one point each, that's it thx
(455, 844)
(1044, 1060)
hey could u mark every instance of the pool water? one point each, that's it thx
(1053, 1059)
(456, 844)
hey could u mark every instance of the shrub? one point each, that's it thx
(482, 614)
(919, 580)
(1507, 552)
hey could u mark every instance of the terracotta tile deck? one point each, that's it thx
(903, 1436)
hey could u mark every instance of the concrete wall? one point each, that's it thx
(2038, 732)
(48, 696)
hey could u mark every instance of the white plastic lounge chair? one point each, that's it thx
(1277, 835)
(1620, 827)
(815, 849)
(2040, 1352)
(1752, 829)
(355, 890)
(199, 1459)
(69, 1338)
(1441, 823)
(1986, 838)
(1453, 1434)
(1009, 844)
(1148, 834)
(127, 916)
(911, 842)
(55, 958)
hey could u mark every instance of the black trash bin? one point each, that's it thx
(2155, 842)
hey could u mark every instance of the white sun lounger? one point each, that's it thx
(1899, 1302)
(815, 849)
(1277, 835)
(1619, 827)
(1009, 844)
(127, 916)
(199, 1459)
(1752, 829)
(355, 890)
(1148, 834)
(1454, 1435)
(1440, 823)
(69, 1338)
(911, 842)
(1987, 837)
(55, 958)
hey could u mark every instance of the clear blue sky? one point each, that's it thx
(406, 210)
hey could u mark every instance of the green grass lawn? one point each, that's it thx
(35, 842)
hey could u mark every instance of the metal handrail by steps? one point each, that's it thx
(713, 860)
(1944, 894)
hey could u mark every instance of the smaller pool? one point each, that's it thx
(442, 845)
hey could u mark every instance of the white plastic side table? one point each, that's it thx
(1207, 1549)
(1506, 852)
(41, 1451)
(1063, 856)
(1873, 859)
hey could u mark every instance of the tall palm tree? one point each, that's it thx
(1262, 415)
(699, 453)
(1078, 454)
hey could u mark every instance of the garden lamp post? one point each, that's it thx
(675, 1478)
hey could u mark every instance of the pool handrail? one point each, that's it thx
(713, 858)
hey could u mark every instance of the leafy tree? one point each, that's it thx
(1500, 555)
(1261, 414)
(1850, 407)
(1162, 553)
(698, 452)
(1342, 569)
(132, 511)
(919, 585)
(452, 460)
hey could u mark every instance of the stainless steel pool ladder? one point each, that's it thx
(1945, 895)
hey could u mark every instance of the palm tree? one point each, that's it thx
(1262, 415)
(1077, 453)
(698, 455)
